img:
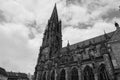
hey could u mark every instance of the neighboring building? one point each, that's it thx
(30, 76)
(17, 76)
(3, 74)
(94, 59)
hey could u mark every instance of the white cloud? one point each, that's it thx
(18, 52)
(15, 12)
(75, 35)
(75, 14)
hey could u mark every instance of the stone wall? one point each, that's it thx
(116, 53)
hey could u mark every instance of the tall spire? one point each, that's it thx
(54, 15)
(68, 44)
(68, 47)
(53, 34)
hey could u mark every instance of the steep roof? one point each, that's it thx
(94, 40)
(116, 35)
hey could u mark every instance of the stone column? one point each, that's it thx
(79, 73)
(109, 65)
(48, 75)
(82, 76)
(80, 69)
(96, 75)
(95, 67)
(68, 75)
(57, 74)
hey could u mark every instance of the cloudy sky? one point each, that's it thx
(22, 23)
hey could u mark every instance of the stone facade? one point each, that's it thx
(94, 59)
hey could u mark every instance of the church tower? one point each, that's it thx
(52, 39)
(52, 42)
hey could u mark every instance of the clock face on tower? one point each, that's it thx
(45, 53)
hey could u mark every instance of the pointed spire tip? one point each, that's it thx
(68, 43)
(54, 13)
(104, 32)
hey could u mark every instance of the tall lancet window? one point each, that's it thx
(88, 73)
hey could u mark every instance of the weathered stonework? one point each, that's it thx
(94, 59)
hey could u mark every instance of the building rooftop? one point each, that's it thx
(95, 40)
(3, 72)
(17, 74)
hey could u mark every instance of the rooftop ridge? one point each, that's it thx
(96, 39)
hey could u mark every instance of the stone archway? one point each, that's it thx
(102, 73)
(88, 73)
(44, 76)
(74, 74)
(53, 75)
(62, 75)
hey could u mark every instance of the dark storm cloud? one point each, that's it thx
(80, 25)
(111, 14)
(84, 25)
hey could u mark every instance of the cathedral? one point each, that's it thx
(97, 58)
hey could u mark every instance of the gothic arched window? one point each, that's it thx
(62, 75)
(44, 76)
(74, 74)
(53, 75)
(102, 73)
(88, 73)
